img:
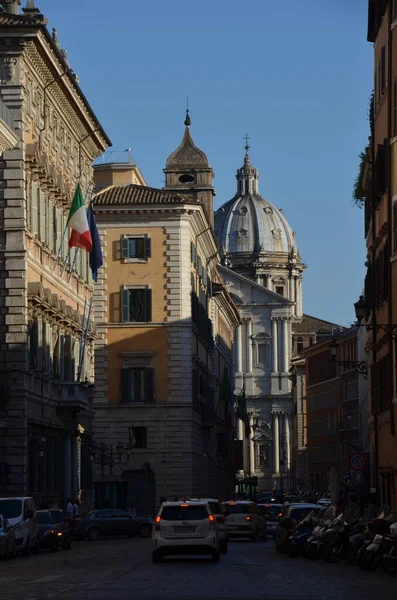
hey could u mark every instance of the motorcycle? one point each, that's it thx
(388, 551)
(370, 556)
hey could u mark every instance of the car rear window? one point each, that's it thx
(56, 516)
(271, 512)
(238, 509)
(298, 514)
(215, 507)
(184, 513)
(11, 508)
(44, 518)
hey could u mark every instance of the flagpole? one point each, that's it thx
(85, 340)
(73, 263)
(60, 247)
(82, 332)
(64, 262)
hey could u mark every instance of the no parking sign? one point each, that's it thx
(358, 461)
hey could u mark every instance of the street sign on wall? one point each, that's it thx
(357, 461)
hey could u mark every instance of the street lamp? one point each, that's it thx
(110, 456)
(360, 309)
(360, 366)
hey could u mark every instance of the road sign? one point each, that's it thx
(357, 461)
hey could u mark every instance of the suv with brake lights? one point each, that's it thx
(244, 519)
(217, 511)
(185, 528)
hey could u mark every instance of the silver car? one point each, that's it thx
(8, 544)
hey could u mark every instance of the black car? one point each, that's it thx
(62, 526)
(110, 521)
(48, 534)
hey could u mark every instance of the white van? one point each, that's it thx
(21, 514)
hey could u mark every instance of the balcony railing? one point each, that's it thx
(65, 392)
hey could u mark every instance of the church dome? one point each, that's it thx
(248, 223)
(187, 155)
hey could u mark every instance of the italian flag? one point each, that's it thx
(77, 222)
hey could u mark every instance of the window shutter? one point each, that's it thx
(58, 229)
(84, 265)
(35, 210)
(42, 218)
(147, 252)
(125, 306)
(51, 227)
(125, 386)
(33, 345)
(124, 247)
(39, 355)
(148, 305)
(65, 244)
(48, 346)
(61, 356)
(149, 385)
(76, 359)
(68, 358)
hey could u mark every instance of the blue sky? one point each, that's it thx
(295, 76)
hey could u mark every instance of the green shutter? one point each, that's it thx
(147, 252)
(42, 218)
(125, 386)
(35, 210)
(148, 305)
(51, 227)
(149, 385)
(124, 247)
(125, 306)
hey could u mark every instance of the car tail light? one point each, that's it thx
(248, 518)
(279, 515)
(157, 523)
(59, 533)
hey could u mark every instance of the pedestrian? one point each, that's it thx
(69, 509)
(76, 510)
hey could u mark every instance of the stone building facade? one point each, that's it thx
(164, 367)
(45, 407)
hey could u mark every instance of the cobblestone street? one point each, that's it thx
(122, 569)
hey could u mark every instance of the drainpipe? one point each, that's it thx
(390, 210)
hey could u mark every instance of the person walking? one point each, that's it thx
(76, 510)
(69, 509)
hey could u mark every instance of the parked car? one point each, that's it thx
(145, 526)
(49, 536)
(292, 515)
(265, 497)
(221, 520)
(271, 512)
(324, 501)
(8, 543)
(20, 513)
(108, 521)
(185, 528)
(62, 526)
(244, 519)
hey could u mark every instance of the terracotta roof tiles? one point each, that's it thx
(139, 194)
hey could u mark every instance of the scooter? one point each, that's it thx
(388, 551)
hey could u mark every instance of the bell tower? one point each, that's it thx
(188, 171)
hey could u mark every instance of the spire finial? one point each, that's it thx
(188, 120)
(247, 146)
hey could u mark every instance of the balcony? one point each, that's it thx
(68, 394)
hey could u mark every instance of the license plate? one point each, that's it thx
(184, 529)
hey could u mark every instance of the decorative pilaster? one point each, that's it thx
(276, 445)
(274, 346)
(239, 365)
(252, 448)
(249, 345)
(287, 440)
(285, 346)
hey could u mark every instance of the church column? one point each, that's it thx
(67, 472)
(285, 346)
(274, 346)
(296, 297)
(240, 437)
(299, 296)
(249, 344)
(276, 445)
(292, 292)
(287, 441)
(239, 352)
(251, 447)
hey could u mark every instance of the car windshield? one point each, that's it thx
(238, 509)
(271, 512)
(44, 518)
(56, 516)
(11, 508)
(184, 513)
